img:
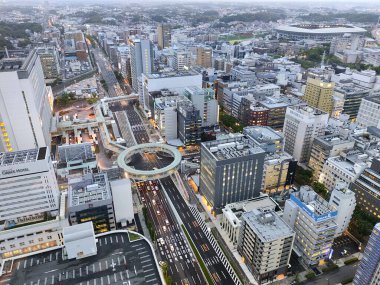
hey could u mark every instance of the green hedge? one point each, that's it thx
(347, 281)
(351, 260)
(310, 275)
(330, 268)
(199, 258)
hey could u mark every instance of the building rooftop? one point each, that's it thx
(118, 260)
(373, 99)
(313, 204)
(22, 156)
(281, 102)
(171, 74)
(232, 148)
(267, 225)
(262, 134)
(88, 189)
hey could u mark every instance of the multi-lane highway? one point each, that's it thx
(171, 243)
(215, 266)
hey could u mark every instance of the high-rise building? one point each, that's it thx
(26, 104)
(141, 53)
(204, 57)
(189, 123)
(325, 147)
(28, 187)
(368, 272)
(367, 189)
(182, 60)
(231, 171)
(351, 95)
(164, 37)
(319, 94)
(265, 242)
(204, 101)
(90, 199)
(313, 220)
(279, 167)
(303, 124)
(345, 202)
(369, 112)
(50, 62)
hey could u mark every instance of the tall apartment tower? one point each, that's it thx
(319, 94)
(141, 53)
(28, 187)
(182, 60)
(368, 272)
(204, 100)
(164, 37)
(313, 220)
(231, 171)
(204, 57)
(265, 242)
(303, 124)
(25, 104)
(345, 202)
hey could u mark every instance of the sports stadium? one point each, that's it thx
(316, 32)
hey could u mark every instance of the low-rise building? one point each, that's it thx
(369, 112)
(90, 199)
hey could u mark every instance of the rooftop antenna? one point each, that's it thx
(6, 51)
(323, 60)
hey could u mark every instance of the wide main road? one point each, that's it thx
(171, 243)
(107, 73)
(215, 266)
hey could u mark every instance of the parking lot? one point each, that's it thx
(118, 261)
(344, 246)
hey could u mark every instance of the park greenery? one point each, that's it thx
(165, 266)
(65, 99)
(362, 224)
(132, 236)
(17, 31)
(310, 275)
(230, 122)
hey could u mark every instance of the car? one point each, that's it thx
(154, 202)
(158, 212)
(164, 228)
(167, 221)
(154, 193)
(171, 247)
(143, 199)
(156, 187)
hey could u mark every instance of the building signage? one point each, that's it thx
(14, 171)
(317, 218)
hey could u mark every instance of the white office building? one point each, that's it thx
(369, 112)
(28, 187)
(25, 104)
(345, 202)
(313, 220)
(174, 81)
(302, 124)
(204, 100)
(344, 168)
(165, 115)
(182, 60)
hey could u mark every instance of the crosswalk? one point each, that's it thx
(215, 245)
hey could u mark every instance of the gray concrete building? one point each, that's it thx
(231, 171)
